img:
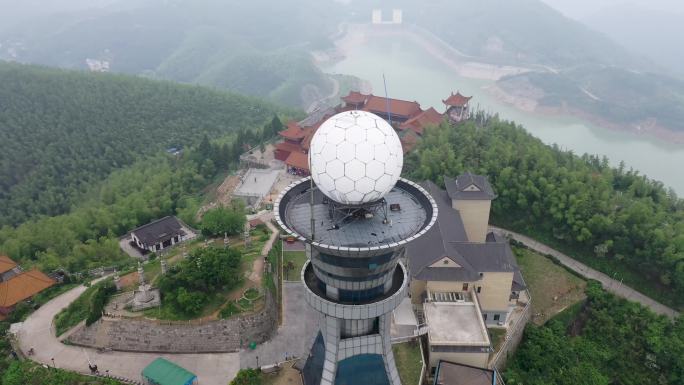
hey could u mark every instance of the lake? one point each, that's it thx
(413, 74)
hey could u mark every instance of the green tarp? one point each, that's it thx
(163, 372)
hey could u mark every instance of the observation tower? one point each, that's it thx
(355, 215)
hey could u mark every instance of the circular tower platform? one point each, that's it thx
(354, 277)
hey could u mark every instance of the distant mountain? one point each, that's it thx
(642, 102)
(575, 68)
(188, 40)
(657, 34)
(64, 131)
(522, 32)
(17, 12)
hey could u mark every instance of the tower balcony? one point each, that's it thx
(357, 310)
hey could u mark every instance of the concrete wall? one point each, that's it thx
(475, 216)
(446, 286)
(513, 337)
(417, 289)
(149, 336)
(479, 360)
(495, 292)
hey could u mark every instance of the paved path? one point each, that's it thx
(609, 284)
(293, 337)
(37, 332)
(258, 265)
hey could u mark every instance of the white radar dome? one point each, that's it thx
(355, 157)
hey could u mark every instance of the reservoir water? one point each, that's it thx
(413, 74)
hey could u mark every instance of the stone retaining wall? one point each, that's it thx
(174, 337)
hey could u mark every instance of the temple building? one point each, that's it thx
(399, 110)
(297, 136)
(293, 136)
(419, 122)
(407, 118)
(17, 285)
(457, 108)
(158, 235)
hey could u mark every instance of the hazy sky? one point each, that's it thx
(578, 9)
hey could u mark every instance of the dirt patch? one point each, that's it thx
(130, 280)
(575, 328)
(287, 375)
(551, 286)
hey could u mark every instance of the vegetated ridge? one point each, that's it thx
(64, 131)
(613, 219)
(259, 48)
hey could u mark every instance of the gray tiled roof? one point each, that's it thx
(491, 257)
(447, 238)
(159, 231)
(434, 245)
(456, 188)
(518, 281)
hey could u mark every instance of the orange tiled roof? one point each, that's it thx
(293, 131)
(457, 100)
(355, 97)
(399, 107)
(6, 264)
(429, 117)
(299, 160)
(23, 286)
(306, 143)
(409, 141)
(288, 147)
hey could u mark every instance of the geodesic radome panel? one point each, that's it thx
(355, 157)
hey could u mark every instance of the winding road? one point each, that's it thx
(37, 332)
(610, 284)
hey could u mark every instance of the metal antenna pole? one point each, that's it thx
(387, 102)
(311, 206)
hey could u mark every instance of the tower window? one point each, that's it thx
(465, 286)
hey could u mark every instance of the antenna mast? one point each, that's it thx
(311, 207)
(387, 102)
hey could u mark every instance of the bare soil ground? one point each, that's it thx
(551, 286)
(287, 375)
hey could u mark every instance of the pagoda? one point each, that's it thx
(457, 107)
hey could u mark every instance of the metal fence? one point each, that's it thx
(513, 336)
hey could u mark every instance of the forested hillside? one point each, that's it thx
(63, 131)
(151, 188)
(606, 341)
(613, 219)
(215, 42)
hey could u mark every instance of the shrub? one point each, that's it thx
(247, 377)
(98, 301)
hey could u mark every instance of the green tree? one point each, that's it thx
(222, 220)
(190, 302)
(247, 377)
(189, 285)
